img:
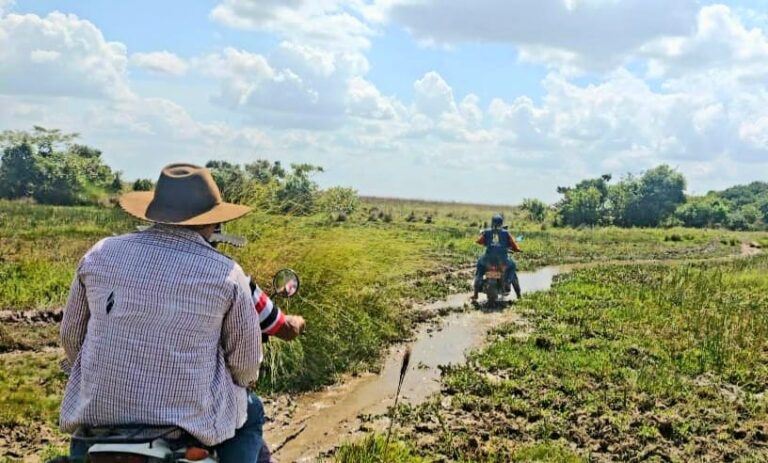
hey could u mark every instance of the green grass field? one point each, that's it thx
(359, 279)
(663, 362)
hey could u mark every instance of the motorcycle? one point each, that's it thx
(493, 284)
(140, 443)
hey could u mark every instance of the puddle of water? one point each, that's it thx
(328, 417)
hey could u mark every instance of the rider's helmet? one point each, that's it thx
(497, 221)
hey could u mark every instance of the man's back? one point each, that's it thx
(168, 341)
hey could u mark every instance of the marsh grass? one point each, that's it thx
(31, 385)
(359, 279)
(626, 360)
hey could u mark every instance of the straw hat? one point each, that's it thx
(185, 195)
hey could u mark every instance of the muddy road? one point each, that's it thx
(318, 422)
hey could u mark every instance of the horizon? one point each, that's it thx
(402, 99)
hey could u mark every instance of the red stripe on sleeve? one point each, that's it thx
(262, 302)
(272, 330)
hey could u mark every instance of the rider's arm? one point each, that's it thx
(513, 244)
(271, 317)
(75, 320)
(241, 334)
(481, 240)
(273, 321)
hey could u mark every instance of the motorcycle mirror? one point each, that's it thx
(220, 237)
(519, 238)
(286, 283)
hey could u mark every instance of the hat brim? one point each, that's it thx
(136, 203)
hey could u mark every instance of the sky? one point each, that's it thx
(485, 101)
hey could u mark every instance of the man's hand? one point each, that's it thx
(292, 328)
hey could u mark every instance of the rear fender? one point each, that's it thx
(157, 449)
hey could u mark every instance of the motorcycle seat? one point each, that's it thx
(134, 434)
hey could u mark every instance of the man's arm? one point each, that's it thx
(74, 323)
(241, 334)
(273, 321)
(513, 244)
(481, 240)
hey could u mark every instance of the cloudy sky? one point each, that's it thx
(483, 100)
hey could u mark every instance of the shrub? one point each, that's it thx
(536, 209)
(143, 184)
(341, 200)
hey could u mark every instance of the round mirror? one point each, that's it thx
(286, 283)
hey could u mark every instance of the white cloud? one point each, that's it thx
(364, 100)
(160, 62)
(720, 42)
(624, 125)
(433, 96)
(296, 86)
(334, 24)
(6, 5)
(59, 55)
(595, 34)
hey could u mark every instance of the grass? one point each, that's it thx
(636, 361)
(359, 278)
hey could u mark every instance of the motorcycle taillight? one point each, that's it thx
(115, 457)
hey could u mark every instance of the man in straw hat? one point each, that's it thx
(161, 329)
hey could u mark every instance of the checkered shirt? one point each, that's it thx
(160, 329)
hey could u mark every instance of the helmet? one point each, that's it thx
(497, 221)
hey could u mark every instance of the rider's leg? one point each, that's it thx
(78, 451)
(510, 276)
(479, 272)
(246, 446)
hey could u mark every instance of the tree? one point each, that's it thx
(264, 171)
(583, 206)
(18, 171)
(143, 184)
(45, 141)
(232, 180)
(705, 211)
(624, 199)
(585, 203)
(741, 195)
(661, 191)
(535, 208)
(45, 165)
(297, 193)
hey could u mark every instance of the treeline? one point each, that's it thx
(656, 198)
(49, 167)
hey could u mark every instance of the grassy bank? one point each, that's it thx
(626, 363)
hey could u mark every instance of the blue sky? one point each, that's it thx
(494, 102)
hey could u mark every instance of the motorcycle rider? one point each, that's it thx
(497, 241)
(161, 329)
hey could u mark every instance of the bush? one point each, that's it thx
(143, 184)
(297, 193)
(535, 208)
(340, 200)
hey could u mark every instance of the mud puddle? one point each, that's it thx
(322, 420)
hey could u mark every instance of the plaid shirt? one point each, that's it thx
(160, 329)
